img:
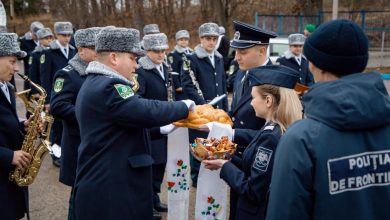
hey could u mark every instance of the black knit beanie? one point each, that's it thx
(339, 46)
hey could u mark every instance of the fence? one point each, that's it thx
(376, 24)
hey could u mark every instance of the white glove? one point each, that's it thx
(167, 129)
(190, 104)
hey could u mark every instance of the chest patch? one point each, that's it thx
(42, 59)
(359, 171)
(170, 59)
(263, 157)
(58, 84)
(186, 65)
(30, 60)
(124, 91)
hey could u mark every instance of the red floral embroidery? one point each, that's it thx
(179, 162)
(171, 184)
(210, 199)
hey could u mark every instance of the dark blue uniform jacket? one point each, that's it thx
(175, 59)
(335, 164)
(114, 175)
(51, 61)
(34, 67)
(250, 176)
(13, 199)
(305, 76)
(28, 45)
(153, 86)
(63, 100)
(212, 81)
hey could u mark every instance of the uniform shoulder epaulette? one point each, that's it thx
(67, 68)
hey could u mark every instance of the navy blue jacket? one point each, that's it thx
(51, 61)
(332, 165)
(62, 104)
(153, 86)
(175, 59)
(34, 67)
(27, 45)
(250, 176)
(305, 76)
(114, 175)
(212, 81)
(13, 199)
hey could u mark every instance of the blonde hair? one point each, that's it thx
(286, 105)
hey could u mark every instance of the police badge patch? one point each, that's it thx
(42, 58)
(30, 60)
(58, 84)
(263, 157)
(124, 91)
(170, 59)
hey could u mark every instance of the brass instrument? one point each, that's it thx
(35, 142)
(134, 83)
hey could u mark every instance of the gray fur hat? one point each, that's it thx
(36, 26)
(118, 40)
(9, 45)
(209, 29)
(151, 29)
(155, 42)
(44, 32)
(296, 39)
(3, 29)
(86, 37)
(221, 30)
(63, 27)
(182, 34)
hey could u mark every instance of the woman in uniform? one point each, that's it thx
(273, 99)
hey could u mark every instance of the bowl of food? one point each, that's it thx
(213, 148)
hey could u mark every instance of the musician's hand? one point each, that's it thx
(214, 164)
(26, 123)
(21, 159)
(47, 107)
(36, 96)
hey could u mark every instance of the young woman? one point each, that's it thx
(273, 99)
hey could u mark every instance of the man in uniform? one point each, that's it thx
(114, 166)
(175, 59)
(155, 84)
(28, 43)
(294, 59)
(52, 60)
(13, 199)
(67, 83)
(335, 163)
(250, 44)
(45, 36)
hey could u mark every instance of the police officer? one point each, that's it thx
(175, 59)
(13, 199)
(45, 36)
(274, 100)
(154, 83)
(28, 43)
(294, 58)
(208, 78)
(223, 46)
(114, 166)
(52, 60)
(67, 83)
(337, 159)
(149, 29)
(250, 44)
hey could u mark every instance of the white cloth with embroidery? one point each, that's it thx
(178, 174)
(211, 193)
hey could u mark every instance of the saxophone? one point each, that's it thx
(35, 142)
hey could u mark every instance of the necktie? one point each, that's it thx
(6, 92)
(66, 52)
(211, 60)
(299, 60)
